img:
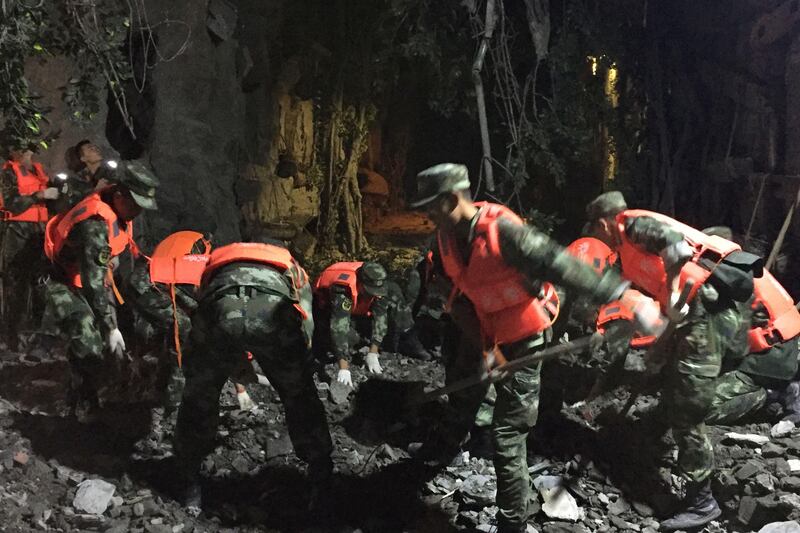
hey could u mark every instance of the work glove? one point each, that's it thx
(262, 380)
(344, 377)
(373, 365)
(245, 402)
(116, 344)
(50, 193)
(676, 315)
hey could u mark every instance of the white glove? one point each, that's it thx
(344, 377)
(50, 193)
(245, 402)
(676, 315)
(262, 380)
(116, 344)
(372, 363)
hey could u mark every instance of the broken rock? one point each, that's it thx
(781, 527)
(794, 465)
(93, 496)
(782, 429)
(558, 502)
(750, 439)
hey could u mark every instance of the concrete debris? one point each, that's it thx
(747, 438)
(93, 496)
(784, 428)
(794, 465)
(781, 527)
(558, 502)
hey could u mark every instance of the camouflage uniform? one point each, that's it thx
(154, 323)
(698, 346)
(247, 307)
(338, 332)
(538, 258)
(87, 315)
(21, 255)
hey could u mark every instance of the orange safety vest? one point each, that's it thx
(784, 318)
(173, 262)
(59, 227)
(344, 274)
(646, 271)
(593, 252)
(28, 183)
(617, 311)
(507, 311)
(253, 252)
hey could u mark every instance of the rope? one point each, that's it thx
(176, 327)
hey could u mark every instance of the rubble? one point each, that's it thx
(558, 502)
(93, 496)
(784, 428)
(747, 438)
(781, 527)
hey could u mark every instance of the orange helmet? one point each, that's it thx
(593, 252)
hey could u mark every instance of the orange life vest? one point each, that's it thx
(646, 271)
(507, 310)
(59, 227)
(617, 311)
(28, 183)
(593, 252)
(344, 274)
(784, 318)
(173, 262)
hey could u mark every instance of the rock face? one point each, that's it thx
(198, 126)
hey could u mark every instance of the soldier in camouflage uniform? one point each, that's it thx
(444, 193)
(86, 315)
(153, 324)
(750, 379)
(21, 242)
(337, 328)
(249, 306)
(704, 332)
(402, 333)
(89, 172)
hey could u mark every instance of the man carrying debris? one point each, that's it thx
(498, 265)
(83, 245)
(253, 298)
(343, 292)
(24, 186)
(660, 255)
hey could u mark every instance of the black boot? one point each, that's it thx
(699, 508)
(320, 477)
(410, 346)
(791, 402)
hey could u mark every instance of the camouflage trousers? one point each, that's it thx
(736, 395)
(68, 314)
(698, 345)
(154, 330)
(224, 328)
(513, 415)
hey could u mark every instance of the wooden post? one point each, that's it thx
(776, 248)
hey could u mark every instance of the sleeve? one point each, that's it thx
(94, 256)
(658, 238)
(380, 320)
(13, 201)
(341, 304)
(538, 257)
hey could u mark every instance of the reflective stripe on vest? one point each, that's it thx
(507, 311)
(646, 271)
(784, 318)
(28, 183)
(59, 228)
(344, 274)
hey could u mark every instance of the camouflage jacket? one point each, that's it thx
(539, 258)
(13, 201)
(152, 298)
(340, 305)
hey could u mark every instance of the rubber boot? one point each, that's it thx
(410, 346)
(699, 508)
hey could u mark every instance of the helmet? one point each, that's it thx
(593, 252)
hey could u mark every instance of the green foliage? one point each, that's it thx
(544, 222)
(90, 34)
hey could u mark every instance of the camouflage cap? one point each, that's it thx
(372, 277)
(608, 204)
(439, 179)
(140, 182)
